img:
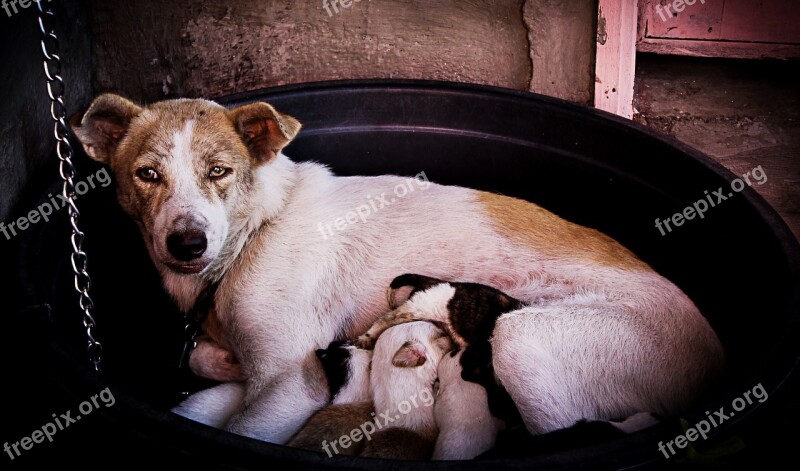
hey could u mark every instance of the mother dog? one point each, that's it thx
(605, 336)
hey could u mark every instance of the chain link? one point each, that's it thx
(58, 112)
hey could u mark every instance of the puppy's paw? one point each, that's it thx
(365, 342)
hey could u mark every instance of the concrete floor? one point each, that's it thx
(742, 113)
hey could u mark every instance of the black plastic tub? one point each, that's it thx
(740, 263)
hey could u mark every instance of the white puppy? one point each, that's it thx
(398, 377)
(404, 368)
(466, 427)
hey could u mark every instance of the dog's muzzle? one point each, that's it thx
(187, 245)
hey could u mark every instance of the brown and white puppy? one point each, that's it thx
(217, 200)
(398, 380)
(468, 312)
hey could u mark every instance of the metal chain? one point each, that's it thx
(55, 91)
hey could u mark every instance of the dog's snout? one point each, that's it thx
(187, 245)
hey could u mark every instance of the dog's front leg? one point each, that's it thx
(275, 411)
(211, 360)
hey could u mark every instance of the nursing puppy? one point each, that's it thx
(217, 201)
(404, 368)
(468, 313)
(466, 426)
(401, 374)
(347, 370)
(468, 310)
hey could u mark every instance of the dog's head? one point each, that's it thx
(186, 170)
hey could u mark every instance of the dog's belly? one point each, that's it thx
(295, 283)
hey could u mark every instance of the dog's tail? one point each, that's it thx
(416, 282)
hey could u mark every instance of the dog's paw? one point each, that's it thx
(210, 360)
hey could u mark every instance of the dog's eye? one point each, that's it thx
(148, 174)
(218, 172)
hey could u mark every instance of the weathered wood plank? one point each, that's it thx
(733, 50)
(774, 21)
(697, 21)
(744, 29)
(615, 66)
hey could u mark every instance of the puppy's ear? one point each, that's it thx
(410, 355)
(418, 282)
(103, 125)
(415, 282)
(264, 130)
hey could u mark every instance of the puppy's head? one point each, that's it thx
(422, 343)
(186, 170)
(347, 370)
(471, 308)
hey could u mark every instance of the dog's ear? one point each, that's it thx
(102, 126)
(264, 130)
(410, 355)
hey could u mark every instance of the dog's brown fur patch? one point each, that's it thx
(526, 223)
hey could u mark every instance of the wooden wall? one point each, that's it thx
(150, 50)
(154, 49)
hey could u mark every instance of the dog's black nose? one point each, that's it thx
(187, 245)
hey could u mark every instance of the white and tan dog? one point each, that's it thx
(604, 335)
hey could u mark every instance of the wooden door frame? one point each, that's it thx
(615, 59)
